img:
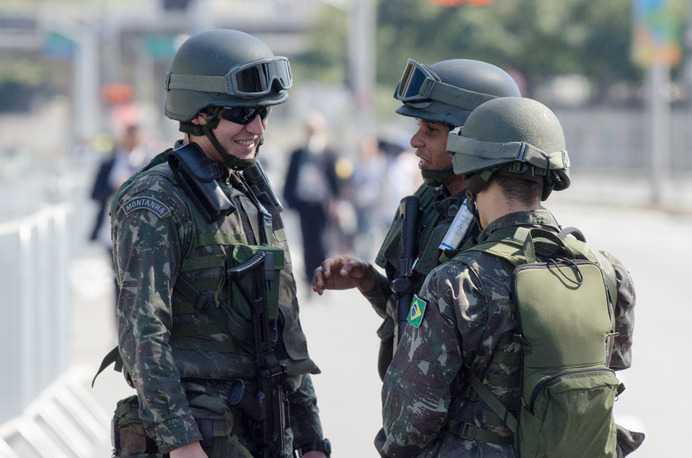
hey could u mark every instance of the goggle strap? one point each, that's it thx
(208, 83)
(453, 95)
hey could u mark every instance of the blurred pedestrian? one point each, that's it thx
(367, 187)
(311, 189)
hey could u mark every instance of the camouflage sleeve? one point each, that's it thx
(379, 295)
(147, 223)
(624, 315)
(305, 420)
(416, 393)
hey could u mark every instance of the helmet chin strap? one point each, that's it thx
(475, 184)
(207, 130)
(437, 177)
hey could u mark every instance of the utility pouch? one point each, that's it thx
(217, 424)
(195, 173)
(128, 437)
(273, 265)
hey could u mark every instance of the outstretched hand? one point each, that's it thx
(343, 272)
(191, 450)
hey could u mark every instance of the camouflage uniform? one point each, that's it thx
(468, 317)
(179, 360)
(438, 211)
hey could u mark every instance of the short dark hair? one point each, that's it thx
(518, 189)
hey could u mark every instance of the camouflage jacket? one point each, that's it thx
(469, 309)
(158, 237)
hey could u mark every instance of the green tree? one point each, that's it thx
(539, 38)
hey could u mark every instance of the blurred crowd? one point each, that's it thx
(345, 204)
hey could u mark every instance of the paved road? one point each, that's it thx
(656, 246)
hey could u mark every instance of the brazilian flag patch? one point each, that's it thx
(415, 314)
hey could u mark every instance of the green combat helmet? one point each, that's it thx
(448, 91)
(511, 136)
(223, 68)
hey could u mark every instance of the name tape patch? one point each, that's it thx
(147, 203)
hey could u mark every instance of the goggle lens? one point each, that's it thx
(411, 82)
(244, 115)
(257, 78)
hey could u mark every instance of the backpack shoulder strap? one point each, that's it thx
(506, 244)
(578, 244)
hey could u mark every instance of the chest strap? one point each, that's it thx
(471, 432)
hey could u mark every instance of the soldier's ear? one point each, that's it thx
(200, 119)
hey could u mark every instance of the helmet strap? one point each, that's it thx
(475, 184)
(207, 130)
(437, 177)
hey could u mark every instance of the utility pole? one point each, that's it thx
(361, 36)
(656, 47)
(362, 22)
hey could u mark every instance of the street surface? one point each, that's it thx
(655, 245)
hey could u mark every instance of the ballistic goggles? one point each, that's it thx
(244, 115)
(420, 86)
(253, 79)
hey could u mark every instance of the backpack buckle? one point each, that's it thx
(467, 431)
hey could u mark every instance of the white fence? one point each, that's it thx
(34, 301)
(44, 408)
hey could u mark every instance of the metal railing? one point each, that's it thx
(34, 301)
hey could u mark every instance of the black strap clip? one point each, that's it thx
(467, 431)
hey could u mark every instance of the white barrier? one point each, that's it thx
(63, 421)
(34, 302)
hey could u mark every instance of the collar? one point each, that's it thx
(534, 218)
(448, 205)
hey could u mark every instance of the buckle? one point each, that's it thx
(167, 84)
(467, 431)
(202, 303)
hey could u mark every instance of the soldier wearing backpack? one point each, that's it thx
(511, 345)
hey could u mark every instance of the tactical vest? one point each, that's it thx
(209, 316)
(222, 244)
(561, 349)
(433, 226)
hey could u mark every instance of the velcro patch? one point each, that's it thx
(147, 203)
(415, 314)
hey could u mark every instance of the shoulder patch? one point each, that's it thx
(415, 313)
(147, 203)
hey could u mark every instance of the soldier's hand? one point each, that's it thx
(314, 455)
(191, 450)
(343, 272)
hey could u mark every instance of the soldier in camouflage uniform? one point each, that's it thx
(171, 253)
(439, 97)
(468, 317)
